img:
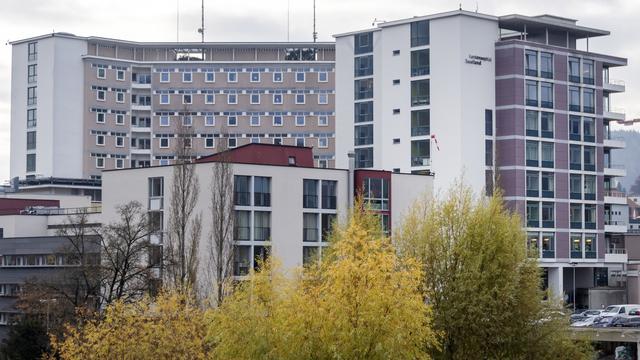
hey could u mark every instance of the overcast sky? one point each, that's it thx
(266, 20)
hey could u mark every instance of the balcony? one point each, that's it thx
(140, 85)
(138, 151)
(614, 114)
(420, 161)
(615, 170)
(613, 226)
(614, 143)
(615, 197)
(613, 86)
(141, 107)
(614, 255)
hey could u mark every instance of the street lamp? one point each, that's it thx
(573, 265)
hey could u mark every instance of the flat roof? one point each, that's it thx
(518, 23)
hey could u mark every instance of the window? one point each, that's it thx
(101, 73)
(300, 75)
(300, 99)
(261, 191)
(32, 51)
(574, 128)
(277, 120)
(589, 102)
(32, 96)
(532, 93)
(323, 142)
(575, 186)
(277, 77)
(588, 72)
(420, 62)
(589, 128)
(420, 153)
(277, 141)
(232, 77)
(255, 77)
(32, 118)
(488, 152)
(575, 158)
(300, 141)
(419, 92)
(31, 162)
(323, 76)
(574, 69)
(576, 246)
(187, 120)
(119, 163)
(575, 216)
(546, 95)
(589, 158)
(300, 120)
(32, 73)
(363, 135)
(533, 244)
(531, 62)
(255, 98)
(242, 226)
(547, 212)
(531, 123)
(254, 120)
(241, 190)
(165, 77)
(327, 224)
(323, 120)
(119, 141)
(164, 143)
(548, 245)
(420, 33)
(209, 76)
(574, 98)
(277, 98)
(120, 75)
(363, 111)
(186, 99)
(363, 43)
(531, 152)
(310, 194)
(241, 260)
(323, 98)
(589, 187)
(547, 184)
(420, 123)
(589, 246)
(532, 183)
(363, 66)
(100, 117)
(232, 120)
(100, 163)
(187, 77)
(31, 140)
(546, 124)
(589, 216)
(310, 227)
(329, 192)
(232, 98)
(547, 154)
(261, 226)
(164, 99)
(209, 120)
(488, 122)
(209, 142)
(100, 140)
(364, 157)
(209, 98)
(375, 193)
(363, 88)
(119, 97)
(546, 65)
(164, 120)
(533, 214)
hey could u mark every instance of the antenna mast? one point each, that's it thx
(315, 33)
(201, 30)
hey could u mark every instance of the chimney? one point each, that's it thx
(352, 165)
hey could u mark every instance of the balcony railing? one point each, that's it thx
(616, 251)
(61, 211)
(420, 161)
(615, 193)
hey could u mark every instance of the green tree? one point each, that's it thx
(27, 339)
(484, 288)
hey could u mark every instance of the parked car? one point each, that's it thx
(623, 320)
(613, 310)
(632, 322)
(602, 321)
(584, 315)
(586, 322)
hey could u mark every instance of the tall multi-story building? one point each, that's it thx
(506, 100)
(80, 105)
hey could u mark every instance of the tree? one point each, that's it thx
(170, 326)
(27, 339)
(181, 263)
(483, 286)
(360, 302)
(635, 188)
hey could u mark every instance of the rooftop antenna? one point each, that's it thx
(201, 29)
(476, 6)
(459, 6)
(288, 18)
(377, 21)
(177, 20)
(315, 33)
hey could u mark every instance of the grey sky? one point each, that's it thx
(265, 20)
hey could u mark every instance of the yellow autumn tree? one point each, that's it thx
(360, 302)
(169, 327)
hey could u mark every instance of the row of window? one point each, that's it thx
(540, 64)
(540, 94)
(363, 65)
(210, 120)
(542, 154)
(254, 99)
(541, 184)
(319, 194)
(38, 260)
(210, 76)
(542, 215)
(582, 246)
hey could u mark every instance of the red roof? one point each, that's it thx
(264, 154)
(10, 206)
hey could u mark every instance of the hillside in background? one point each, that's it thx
(629, 156)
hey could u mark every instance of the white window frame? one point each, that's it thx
(321, 96)
(304, 76)
(251, 77)
(235, 142)
(281, 77)
(168, 98)
(235, 96)
(120, 75)
(326, 75)
(281, 120)
(213, 120)
(320, 142)
(121, 138)
(104, 95)
(229, 120)
(119, 119)
(119, 163)
(278, 102)
(251, 99)
(206, 75)
(118, 95)
(304, 120)
(104, 117)
(103, 71)
(164, 146)
(184, 102)
(251, 118)
(165, 117)
(168, 76)
(98, 142)
(184, 117)
(229, 77)
(206, 98)
(213, 143)
(324, 122)
(100, 163)
(184, 74)
(304, 99)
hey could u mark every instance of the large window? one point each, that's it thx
(588, 72)
(329, 194)
(242, 226)
(363, 111)
(589, 187)
(420, 92)
(575, 186)
(590, 246)
(241, 260)
(310, 194)
(31, 140)
(261, 226)
(420, 123)
(363, 135)
(363, 43)
(576, 246)
(546, 95)
(532, 183)
(420, 33)
(375, 192)
(546, 65)
(310, 227)
(575, 161)
(575, 216)
(156, 187)
(547, 154)
(531, 123)
(364, 157)
(32, 118)
(31, 162)
(363, 88)
(574, 128)
(420, 62)
(574, 69)
(32, 51)
(488, 152)
(261, 191)
(574, 98)
(363, 65)
(547, 211)
(589, 216)
(420, 153)
(327, 224)
(32, 96)
(531, 62)
(589, 101)
(589, 158)
(531, 153)
(532, 93)
(241, 190)
(548, 245)
(546, 124)
(533, 214)
(32, 73)
(589, 129)
(488, 122)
